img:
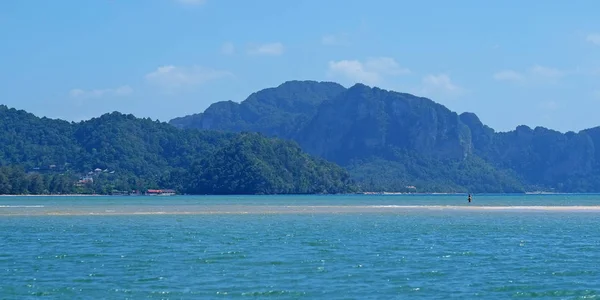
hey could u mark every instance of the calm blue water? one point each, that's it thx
(359, 255)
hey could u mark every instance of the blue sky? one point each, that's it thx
(511, 62)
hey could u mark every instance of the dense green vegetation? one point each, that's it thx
(121, 153)
(432, 175)
(14, 180)
(251, 164)
(393, 141)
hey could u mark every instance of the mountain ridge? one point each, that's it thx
(255, 110)
(361, 125)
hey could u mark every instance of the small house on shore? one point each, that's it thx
(162, 192)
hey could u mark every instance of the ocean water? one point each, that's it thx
(325, 247)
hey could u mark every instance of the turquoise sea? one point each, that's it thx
(325, 247)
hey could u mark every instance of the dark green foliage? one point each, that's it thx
(121, 153)
(31, 141)
(14, 180)
(432, 175)
(142, 147)
(253, 164)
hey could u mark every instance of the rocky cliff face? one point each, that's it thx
(365, 120)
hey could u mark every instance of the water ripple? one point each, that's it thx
(302, 256)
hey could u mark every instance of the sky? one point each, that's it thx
(534, 63)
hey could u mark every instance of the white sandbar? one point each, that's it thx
(270, 209)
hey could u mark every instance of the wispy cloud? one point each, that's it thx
(535, 73)
(509, 75)
(191, 2)
(548, 109)
(353, 70)
(440, 84)
(267, 49)
(228, 48)
(177, 76)
(124, 90)
(593, 38)
(545, 72)
(549, 105)
(334, 40)
(371, 71)
(385, 66)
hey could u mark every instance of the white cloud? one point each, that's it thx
(508, 75)
(385, 65)
(334, 40)
(353, 70)
(99, 93)
(267, 49)
(329, 40)
(535, 73)
(174, 77)
(370, 72)
(545, 72)
(549, 105)
(440, 83)
(192, 2)
(228, 48)
(593, 38)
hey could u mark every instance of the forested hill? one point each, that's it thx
(396, 141)
(118, 152)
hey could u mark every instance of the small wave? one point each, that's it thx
(20, 206)
(273, 293)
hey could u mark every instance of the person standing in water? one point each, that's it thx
(469, 198)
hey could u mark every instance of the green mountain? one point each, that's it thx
(122, 152)
(393, 141)
(274, 111)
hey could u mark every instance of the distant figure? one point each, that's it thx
(469, 198)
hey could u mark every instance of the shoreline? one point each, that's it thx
(57, 195)
(225, 209)
(267, 195)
